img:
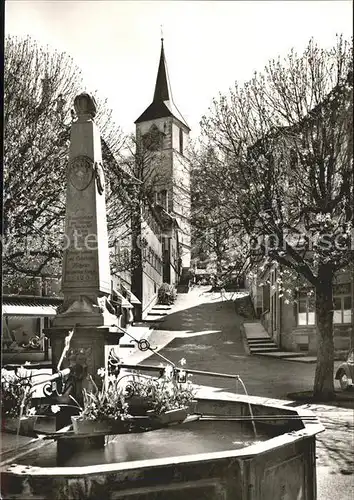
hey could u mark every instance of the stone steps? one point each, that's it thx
(263, 345)
(154, 319)
(184, 282)
(260, 340)
(291, 356)
(259, 350)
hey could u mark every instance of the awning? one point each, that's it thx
(29, 310)
(133, 299)
(122, 301)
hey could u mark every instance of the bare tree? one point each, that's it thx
(40, 87)
(135, 176)
(285, 140)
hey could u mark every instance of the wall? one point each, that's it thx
(163, 124)
(174, 258)
(152, 269)
(292, 337)
(288, 323)
(181, 191)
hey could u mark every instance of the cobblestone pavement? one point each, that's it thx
(335, 445)
(204, 329)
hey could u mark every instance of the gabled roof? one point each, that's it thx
(162, 104)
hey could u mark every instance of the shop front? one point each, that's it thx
(24, 320)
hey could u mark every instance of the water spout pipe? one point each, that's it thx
(66, 347)
(187, 370)
(55, 376)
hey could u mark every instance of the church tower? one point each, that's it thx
(162, 129)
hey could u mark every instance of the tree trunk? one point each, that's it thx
(324, 383)
(219, 256)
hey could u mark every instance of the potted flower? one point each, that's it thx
(138, 394)
(17, 413)
(167, 399)
(166, 294)
(103, 410)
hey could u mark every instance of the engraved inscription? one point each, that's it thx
(81, 249)
(79, 227)
(80, 266)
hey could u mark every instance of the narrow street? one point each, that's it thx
(205, 330)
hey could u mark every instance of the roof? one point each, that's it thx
(17, 306)
(133, 299)
(165, 216)
(117, 297)
(162, 104)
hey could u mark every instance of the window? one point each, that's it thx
(163, 199)
(342, 307)
(266, 297)
(305, 310)
(19, 334)
(153, 259)
(342, 310)
(181, 141)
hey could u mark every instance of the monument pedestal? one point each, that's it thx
(88, 351)
(86, 278)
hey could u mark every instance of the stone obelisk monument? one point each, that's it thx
(86, 280)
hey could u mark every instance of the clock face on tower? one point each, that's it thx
(153, 139)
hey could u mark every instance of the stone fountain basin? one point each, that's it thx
(280, 467)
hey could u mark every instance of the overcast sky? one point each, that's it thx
(208, 45)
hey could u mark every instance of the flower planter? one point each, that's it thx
(26, 427)
(109, 426)
(192, 407)
(139, 406)
(168, 417)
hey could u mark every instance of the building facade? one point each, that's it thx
(162, 128)
(28, 308)
(292, 323)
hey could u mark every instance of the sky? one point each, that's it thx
(208, 45)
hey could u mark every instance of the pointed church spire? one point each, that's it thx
(162, 87)
(162, 104)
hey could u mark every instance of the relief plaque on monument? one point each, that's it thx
(81, 172)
